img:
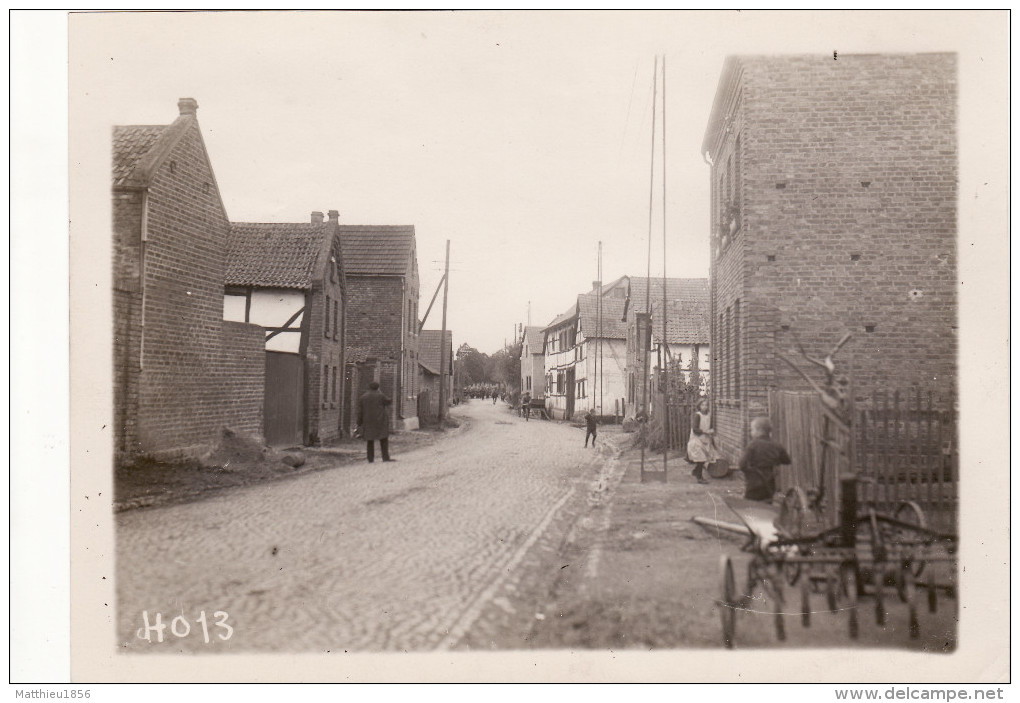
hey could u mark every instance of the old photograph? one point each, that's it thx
(538, 346)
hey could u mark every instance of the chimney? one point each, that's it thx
(334, 216)
(595, 285)
(316, 218)
(187, 106)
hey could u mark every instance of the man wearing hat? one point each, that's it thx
(374, 421)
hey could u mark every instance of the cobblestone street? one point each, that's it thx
(380, 557)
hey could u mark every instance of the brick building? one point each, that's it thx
(289, 279)
(834, 186)
(430, 362)
(381, 266)
(687, 332)
(181, 373)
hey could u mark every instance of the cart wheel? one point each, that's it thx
(805, 602)
(933, 596)
(793, 512)
(910, 591)
(728, 604)
(848, 575)
(910, 512)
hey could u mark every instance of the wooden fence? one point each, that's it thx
(673, 401)
(904, 448)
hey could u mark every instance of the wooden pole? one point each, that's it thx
(665, 340)
(442, 340)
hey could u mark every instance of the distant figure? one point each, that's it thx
(526, 406)
(374, 421)
(495, 395)
(592, 428)
(760, 460)
(701, 445)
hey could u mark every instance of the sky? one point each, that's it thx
(523, 138)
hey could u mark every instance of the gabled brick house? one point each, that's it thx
(181, 373)
(381, 265)
(834, 187)
(430, 362)
(289, 278)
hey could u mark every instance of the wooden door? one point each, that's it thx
(284, 401)
(570, 393)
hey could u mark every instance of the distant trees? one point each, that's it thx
(502, 368)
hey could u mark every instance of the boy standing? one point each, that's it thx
(592, 431)
(760, 460)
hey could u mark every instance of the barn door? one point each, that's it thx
(284, 402)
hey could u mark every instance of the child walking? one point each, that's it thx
(759, 462)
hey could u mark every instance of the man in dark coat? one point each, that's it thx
(374, 421)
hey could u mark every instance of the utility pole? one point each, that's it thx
(443, 361)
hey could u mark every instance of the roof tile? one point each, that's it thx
(274, 255)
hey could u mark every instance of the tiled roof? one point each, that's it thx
(534, 333)
(676, 289)
(612, 325)
(274, 255)
(376, 250)
(686, 322)
(569, 314)
(429, 350)
(130, 144)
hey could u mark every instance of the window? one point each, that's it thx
(325, 324)
(736, 349)
(529, 382)
(325, 385)
(334, 386)
(336, 317)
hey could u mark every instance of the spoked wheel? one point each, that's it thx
(910, 593)
(728, 603)
(793, 512)
(848, 576)
(910, 512)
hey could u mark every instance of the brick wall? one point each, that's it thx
(325, 359)
(377, 326)
(242, 378)
(846, 179)
(127, 301)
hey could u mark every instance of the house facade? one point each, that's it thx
(533, 362)
(181, 373)
(585, 356)
(289, 279)
(382, 305)
(430, 363)
(834, 187)
(687, 333)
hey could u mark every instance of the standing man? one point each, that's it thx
(374, 421)
(526, 405)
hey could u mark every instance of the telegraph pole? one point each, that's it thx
(443, 361)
